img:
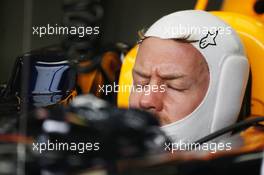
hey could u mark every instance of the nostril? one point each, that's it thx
(146, 104)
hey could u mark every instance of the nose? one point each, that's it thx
(152, 101)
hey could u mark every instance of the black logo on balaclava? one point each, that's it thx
(209, 39)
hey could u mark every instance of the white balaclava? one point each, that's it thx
(228, 69)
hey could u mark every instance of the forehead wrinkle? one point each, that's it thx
(169, 74)
(180, 50)
(167, 46)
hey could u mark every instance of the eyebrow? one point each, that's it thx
(172, 76)
(140, 73)
(169, 76)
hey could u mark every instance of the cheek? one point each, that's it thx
(177, 105)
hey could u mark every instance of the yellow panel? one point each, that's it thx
(125, 79)
(201, 4)
(245, 7)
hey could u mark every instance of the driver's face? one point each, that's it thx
(180, 71)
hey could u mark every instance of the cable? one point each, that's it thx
(232, 128)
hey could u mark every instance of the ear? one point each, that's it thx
(231, 88)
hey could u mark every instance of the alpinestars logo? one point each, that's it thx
(209, 39)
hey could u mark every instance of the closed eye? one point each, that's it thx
(177, 89)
